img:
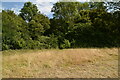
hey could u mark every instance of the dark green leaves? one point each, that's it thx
(74, 25)
(28, 11)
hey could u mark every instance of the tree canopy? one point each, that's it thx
(28, 11)
(74, 25)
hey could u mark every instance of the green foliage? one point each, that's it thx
(43, 42)
(65, 44)
(38, 25)
(28, 11)
(85, 24)
(18, 34)
(12, 30)
(97, 5)
(65, 13)
(74, 25)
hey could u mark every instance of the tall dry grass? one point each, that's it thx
(31, 63)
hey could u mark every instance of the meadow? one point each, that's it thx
(61, 63)
(79, 40)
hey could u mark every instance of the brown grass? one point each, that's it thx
(67, 63)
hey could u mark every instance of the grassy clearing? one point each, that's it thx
(67, 63)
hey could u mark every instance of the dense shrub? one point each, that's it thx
(65, 44)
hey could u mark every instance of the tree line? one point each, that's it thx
(74, 25)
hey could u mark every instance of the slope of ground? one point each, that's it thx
(67, 63)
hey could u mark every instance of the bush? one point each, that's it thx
(65, 44)
(48, 42)
(5, 47)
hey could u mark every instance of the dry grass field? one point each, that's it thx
(67, 63)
